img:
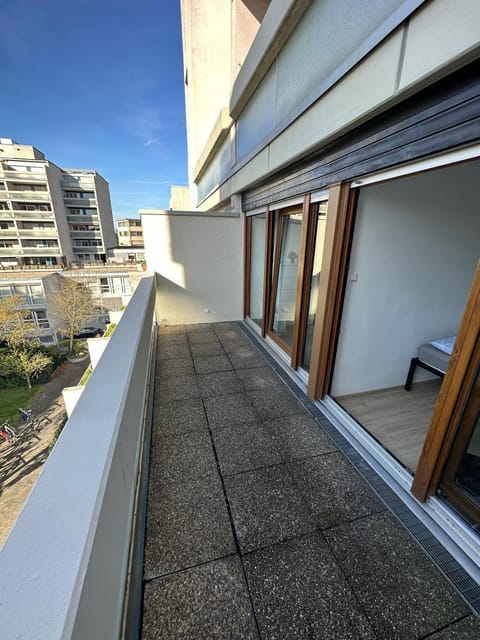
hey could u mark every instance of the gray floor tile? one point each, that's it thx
(180, 458)
(207, 349)
(201, 336)
(225, 411)
(333, 489)
(173, 351)
(261, 378)
(228, 331)
(208, 602)
(266, 507)
(179, 417)
(299, 437)
(171, 329)
(275, 404)
(170, 339)
(219, 384)
(299, 592)
(174, 368)
(239, 344)
(243, 360)
(401, 591)
(244, 447)
(178, 388)
(187, 524)
(211, 364)
(466, 629)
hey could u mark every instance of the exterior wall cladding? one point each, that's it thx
(332, 96)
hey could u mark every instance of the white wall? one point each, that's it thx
(198, 259)
(415, 249)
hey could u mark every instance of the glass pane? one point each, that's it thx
(257, 267)
(468, 473)
(315, 281)
(285, 298)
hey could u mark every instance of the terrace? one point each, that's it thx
(196, 493)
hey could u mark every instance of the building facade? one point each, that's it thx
(130, 233)
(337, 162)
(50, 216)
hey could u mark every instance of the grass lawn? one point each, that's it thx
(11, 399)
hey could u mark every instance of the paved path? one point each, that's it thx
(17, 476)
(259, 527)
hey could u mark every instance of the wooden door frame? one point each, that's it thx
(342, 201)
(467, 424)
(451, 399)
(282, 214)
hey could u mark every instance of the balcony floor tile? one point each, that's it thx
(209, 601)
(334, 490)
(373, 554)
(298, 436)
(224, 411)
(244, 447)
(178, 417)
(258, 526)
(179, 458)
(219, 384)
(211, 364)
(298, 591)
(187, 525)
(267, 507)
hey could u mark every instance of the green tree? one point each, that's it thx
(73, 306)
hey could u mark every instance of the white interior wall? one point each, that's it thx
(415, 249)
(198, 259)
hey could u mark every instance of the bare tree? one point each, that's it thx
(73, 305)
(23, 355)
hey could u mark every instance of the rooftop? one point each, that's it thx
(258, 525)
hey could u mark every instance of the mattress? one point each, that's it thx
(433, 356)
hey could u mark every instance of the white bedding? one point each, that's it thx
(444, 344)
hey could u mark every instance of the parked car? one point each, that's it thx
(89, 332)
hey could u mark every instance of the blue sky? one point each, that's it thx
(98, 84)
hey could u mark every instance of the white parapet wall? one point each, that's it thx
(96, 347)
(63, 568)
(198, 260)
(71, 395)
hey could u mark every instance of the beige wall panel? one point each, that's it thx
(198, 260)
(439, 34)
(251, 172)
(369, 85)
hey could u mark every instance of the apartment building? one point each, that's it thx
(50, 216)
(130, 233)
(334, 150)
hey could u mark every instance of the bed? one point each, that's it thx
(433, 356)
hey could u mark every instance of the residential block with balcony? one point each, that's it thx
(40, 205)
(130, 233)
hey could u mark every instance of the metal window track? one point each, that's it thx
(450, 542)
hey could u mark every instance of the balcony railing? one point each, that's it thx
(65, 566)
(32, 196)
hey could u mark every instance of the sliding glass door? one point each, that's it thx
(319, 224)
(285, 280)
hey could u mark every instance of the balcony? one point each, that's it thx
(41, 251)
(30, 196)
(28, 215)
(256, 526)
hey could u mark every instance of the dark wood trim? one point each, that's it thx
(451, 399)
(281, 215)
(267, 275)
(247, 253)
(338, 238)
(302, 276)
(439, 118)
(467, 424)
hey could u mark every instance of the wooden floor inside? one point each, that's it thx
(397, 418)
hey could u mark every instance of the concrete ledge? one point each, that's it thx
(215, 140)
